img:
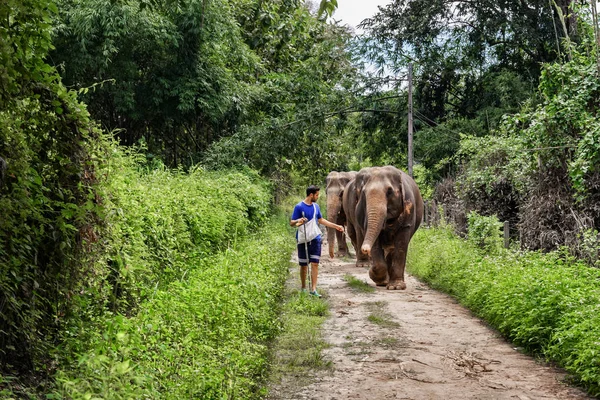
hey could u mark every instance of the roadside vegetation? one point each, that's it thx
(379, 316)
(547, 304)
(296, 354)
(358, 285)
(143, 143)
(179, 298)
(203, 337)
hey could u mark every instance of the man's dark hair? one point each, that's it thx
(312, 189)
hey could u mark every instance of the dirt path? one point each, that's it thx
(418, 344)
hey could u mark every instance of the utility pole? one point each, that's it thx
(596, 32)
(410, 121)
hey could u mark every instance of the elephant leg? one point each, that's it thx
(362, 260)
(352, 234)
(342, 246)
(379, 268)
(398, 262)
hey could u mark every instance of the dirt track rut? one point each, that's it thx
(421, 345)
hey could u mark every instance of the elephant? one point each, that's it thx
(335, 183)
(384, 208)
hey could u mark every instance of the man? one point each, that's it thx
(308, 213)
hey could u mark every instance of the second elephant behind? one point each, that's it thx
(335, 183)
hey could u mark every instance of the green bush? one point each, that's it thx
(49, 201)
(162, 221)
(546, 303)
(205, 337)
(484, 232)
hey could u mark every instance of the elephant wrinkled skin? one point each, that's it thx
(335, 183)
(384, 208)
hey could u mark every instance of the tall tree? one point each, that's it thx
(307, 72)
(173, 73)
(464, 51)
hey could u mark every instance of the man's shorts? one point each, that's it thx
(314, 249)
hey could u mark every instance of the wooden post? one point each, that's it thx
(425, 214)
(520, 238)
(410, 121)
(506, 234)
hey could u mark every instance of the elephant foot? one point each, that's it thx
(396, 285)
(362, 264)
(342, 253)
(379, 276)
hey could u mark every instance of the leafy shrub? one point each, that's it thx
(50, 153)
(494, 175)
(540, 168)
(546, 303)
(205, 337)
(588, 247)
(484, 231)
(161, 222)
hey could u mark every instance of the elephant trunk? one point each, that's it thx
(331, 241)
(334, 206)
(376, 212)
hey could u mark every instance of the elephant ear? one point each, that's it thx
(358, 183)
(329, 179)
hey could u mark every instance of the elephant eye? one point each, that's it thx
(390, 191)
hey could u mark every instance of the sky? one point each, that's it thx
(352, 12)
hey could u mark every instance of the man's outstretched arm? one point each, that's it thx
(329, 224)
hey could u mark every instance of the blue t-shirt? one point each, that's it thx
(309, 212)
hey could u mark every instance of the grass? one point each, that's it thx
(379, 316)
(358, 285)
(297, 352)
(387, 342)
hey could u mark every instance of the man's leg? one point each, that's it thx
(314, 273)
(303, 261)
(303, 273)
(314, 249)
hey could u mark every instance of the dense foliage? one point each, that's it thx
(474, 61)
(541, 170)
(253, 78)
(202, 337)
(546, 303)
(175, 74)
(161, 222)
(49, 155)
(163, 230)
